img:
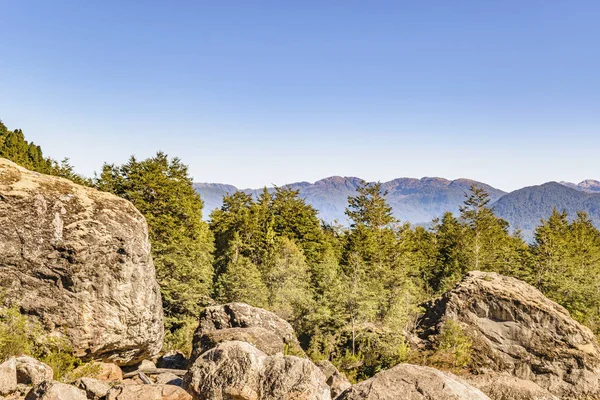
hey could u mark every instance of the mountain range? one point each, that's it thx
(418, 201)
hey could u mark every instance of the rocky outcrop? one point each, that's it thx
(79, 260)
(516, 330)
(32, 372)
(52, 390)
(241, 315)
(147, 392)
(238, 370)
(336, 381)
(8, 377)
(406, 381)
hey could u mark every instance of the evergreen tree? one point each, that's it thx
(161, 189)
(241, 280)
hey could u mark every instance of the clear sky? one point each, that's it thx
(255, 93)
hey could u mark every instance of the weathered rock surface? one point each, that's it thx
(238, 370)
(32, 372)
(94, 389)
(266, 341)
(241, 315)
(168, 378)
(336, 381)
(515, 329)
(506, 387)
(147, 392)
(8, 376)
(412, 382)
(79, 260)
(52, 390)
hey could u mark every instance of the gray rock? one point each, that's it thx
(79, 260)
(336, 381)
(147, 392)
(168, 378)
(32, 372)
(8, 376)
(94, 389)
(52, 390)
(238, 370)
(241, 315)
(506, 387)
(516, 330)
(412, 382)
(261, 338)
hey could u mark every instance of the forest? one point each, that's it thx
(351, 293)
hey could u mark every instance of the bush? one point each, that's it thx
(20, 336)
(454, 348)
(16, 334)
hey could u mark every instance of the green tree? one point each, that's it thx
(161, 189)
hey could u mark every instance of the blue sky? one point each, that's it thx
(255, 93)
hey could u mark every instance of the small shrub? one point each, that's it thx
(455, 347)
(56, 351)
(15, 333)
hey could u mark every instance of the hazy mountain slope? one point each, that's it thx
(524, 208)
(589, 186)
(413, 200)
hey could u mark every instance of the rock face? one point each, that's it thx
(238, 370)
(241, 315)
(52, 390)
(32, 372)
(406, 381)
(8, 377)
(147, 392)
(505, 387)
(516, 330)
(261, 338)
(79, 260)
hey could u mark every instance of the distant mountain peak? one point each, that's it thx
(588, 185)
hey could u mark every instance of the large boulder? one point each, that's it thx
(32, 372)
(516, 330)
(52, 390)
(79, 260)
(241, 315)
(412, 382)
(238, 370)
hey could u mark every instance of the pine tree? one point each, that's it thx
(161, 189)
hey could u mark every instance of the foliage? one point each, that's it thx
(454, 348)
(181, 339)
(161, 189)
(21, 336)
(14, 147)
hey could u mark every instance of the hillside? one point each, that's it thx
(413, 200)
(524, 208)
